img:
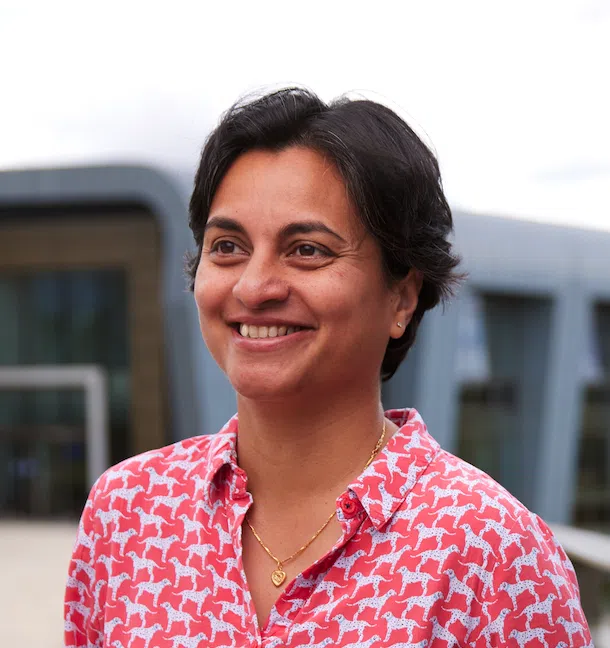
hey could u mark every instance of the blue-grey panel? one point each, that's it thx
(532, 256)
(201, 399)
(569, 267)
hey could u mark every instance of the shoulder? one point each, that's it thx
(162, 461)
(509, 553)
(460, 496)
(451, 479)
(160, 471)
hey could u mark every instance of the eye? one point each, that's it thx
(224, 247)
(309, 250)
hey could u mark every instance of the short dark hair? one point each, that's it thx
(392, 178)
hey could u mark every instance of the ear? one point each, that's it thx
(407, 296)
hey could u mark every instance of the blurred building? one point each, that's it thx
(514, 376)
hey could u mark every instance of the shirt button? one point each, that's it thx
(348, 507)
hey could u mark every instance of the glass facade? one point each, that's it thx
(59, 318)
(592, 508)
(505, 339)
(488, 414)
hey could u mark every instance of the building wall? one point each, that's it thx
(517, 371)
(558, 275)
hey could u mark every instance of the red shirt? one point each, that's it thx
(433, 553)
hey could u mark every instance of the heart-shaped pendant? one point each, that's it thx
(278, 577)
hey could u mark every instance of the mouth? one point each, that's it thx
(260, 332)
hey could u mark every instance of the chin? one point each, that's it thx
(266, 386)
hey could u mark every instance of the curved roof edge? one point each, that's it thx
(91, 182)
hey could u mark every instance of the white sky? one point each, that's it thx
(513, 96)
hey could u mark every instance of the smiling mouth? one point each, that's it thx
(261, 332)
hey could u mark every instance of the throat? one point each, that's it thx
(309, 458)
(279, 479)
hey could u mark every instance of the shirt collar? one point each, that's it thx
(222, 452)
(385, 484)
(381, 488)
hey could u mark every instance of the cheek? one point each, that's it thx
(359, 307)
(199, 293)
(208, 296)
(354, 291)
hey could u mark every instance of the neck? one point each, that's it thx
(298, 452)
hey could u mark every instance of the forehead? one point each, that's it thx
(272, 187)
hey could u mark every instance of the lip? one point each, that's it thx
(268, 321)
(268, 344)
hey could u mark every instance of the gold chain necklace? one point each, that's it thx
(278, 576)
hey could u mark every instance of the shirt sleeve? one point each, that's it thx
(86, 584)
(535, 594)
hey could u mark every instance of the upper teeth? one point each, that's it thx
(252, 331)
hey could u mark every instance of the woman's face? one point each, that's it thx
(290, 291)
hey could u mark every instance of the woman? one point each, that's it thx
(313, 518)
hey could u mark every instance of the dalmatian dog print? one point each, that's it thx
(434, 554)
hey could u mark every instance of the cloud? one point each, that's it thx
(511, 97)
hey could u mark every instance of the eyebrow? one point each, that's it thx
(221, 222)
(297, 227)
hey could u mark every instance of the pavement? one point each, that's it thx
(34, 559)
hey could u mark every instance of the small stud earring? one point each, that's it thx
(399, 324)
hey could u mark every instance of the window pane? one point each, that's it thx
(593, 498)
(59, 318)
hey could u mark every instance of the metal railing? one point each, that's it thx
(93, 381)
(588, 547)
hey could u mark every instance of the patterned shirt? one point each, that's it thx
(433, 553)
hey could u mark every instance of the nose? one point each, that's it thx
(261, 283)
